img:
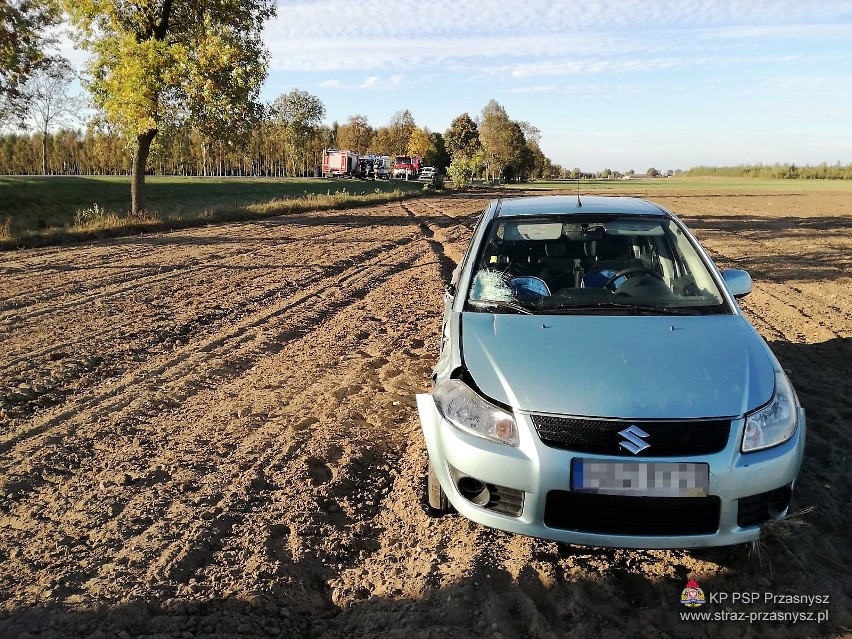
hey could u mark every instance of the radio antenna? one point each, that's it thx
(579, 203)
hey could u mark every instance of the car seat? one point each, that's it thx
(560, 264)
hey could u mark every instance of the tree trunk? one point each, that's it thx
(44, 152)
(138, 204)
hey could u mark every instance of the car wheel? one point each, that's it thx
(437, 498)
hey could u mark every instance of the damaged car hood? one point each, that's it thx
(638, 367)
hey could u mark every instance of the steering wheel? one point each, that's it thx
(633, 270)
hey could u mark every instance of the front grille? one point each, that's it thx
(619, 515)
(665, 438)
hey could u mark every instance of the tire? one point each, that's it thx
(435, 495)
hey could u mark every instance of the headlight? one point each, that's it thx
(776, 422)
(465, 409)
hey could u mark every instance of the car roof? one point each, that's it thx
(573, 204)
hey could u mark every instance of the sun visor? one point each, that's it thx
(513, 231)
(634, 228)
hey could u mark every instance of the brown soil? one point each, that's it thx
(212, 433)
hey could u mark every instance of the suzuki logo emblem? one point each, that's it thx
(635, 444)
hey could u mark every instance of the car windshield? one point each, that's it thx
(605, 264)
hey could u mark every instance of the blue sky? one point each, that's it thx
(610, 83)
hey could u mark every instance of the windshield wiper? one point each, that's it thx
(501, 304)
(639, 309)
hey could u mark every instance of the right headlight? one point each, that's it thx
(776, 422)
(465, 409)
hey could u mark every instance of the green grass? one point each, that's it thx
(37, 210)
(43, 210)
(710, 185)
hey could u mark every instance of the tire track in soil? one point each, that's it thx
(216, 348)
(155, 245)
(346, 468)
(425, 570)
(178, 562)
(177, 276)
(32, 364)
(53, 349)
(285, 497)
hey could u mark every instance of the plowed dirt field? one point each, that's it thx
(212, 433)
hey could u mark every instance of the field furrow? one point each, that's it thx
(212, 433)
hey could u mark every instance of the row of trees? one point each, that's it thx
(176, 85)
(492, 146)
(287, 139)
(778, 171)
(497, 147)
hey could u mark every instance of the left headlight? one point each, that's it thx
(776, 422)
(465, 409)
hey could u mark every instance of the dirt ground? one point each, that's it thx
(212, 433)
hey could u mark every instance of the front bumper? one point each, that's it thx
(538, 470)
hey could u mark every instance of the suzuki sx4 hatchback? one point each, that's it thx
(598, 384)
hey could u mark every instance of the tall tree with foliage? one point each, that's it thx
(419, 143)
(437, 155)
(383, 143)
(538, 161)
(462, 138)
(502, 139)
(401, 127)
(157, 61)
(23, 40)
(356, 135)
(300, 115)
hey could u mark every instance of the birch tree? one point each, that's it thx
(23, 43)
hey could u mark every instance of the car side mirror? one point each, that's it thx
(450, 290)
(737, 281)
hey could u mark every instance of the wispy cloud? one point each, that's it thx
(587, 67)
(546, 88)
(342, 35)
(375, 82)
(371, 82)
(445, 18)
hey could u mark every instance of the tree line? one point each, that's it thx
(176, 84)
(776, 171)
(288, 140)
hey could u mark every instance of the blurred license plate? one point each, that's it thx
(637, 479)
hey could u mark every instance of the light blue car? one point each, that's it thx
(598, 384)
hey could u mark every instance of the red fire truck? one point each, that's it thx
(406, 167)
(337, 163)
